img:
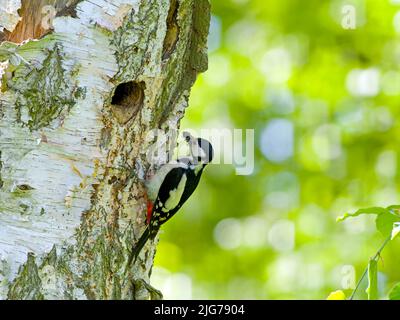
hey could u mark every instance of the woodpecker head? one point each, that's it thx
(201, 149)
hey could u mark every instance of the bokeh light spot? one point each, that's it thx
(228, 234)
(276, 141)
(282, 235)
(363, 82)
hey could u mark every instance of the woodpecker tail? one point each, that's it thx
(149, 233)
(138, 246)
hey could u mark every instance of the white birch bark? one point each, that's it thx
(76, 105)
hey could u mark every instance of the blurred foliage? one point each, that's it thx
(323, 101)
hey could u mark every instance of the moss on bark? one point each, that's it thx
(45, 92)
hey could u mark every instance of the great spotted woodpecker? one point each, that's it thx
(171, 186)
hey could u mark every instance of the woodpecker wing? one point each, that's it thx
(169, 196)
(194, 175)
(178, 186)
(153, 184)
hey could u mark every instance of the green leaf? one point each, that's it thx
(394, 293)
(395, 230)
(385, 222)
(395, 209)
(336, 295)
(372, 289)
(372, 210)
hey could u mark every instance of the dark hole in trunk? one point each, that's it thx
(127, 100)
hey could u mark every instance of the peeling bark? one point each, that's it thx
(77, 103)
(35, 17)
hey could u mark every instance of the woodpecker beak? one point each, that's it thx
(192, 142)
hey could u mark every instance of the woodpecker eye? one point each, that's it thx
(199, 159)
(187, 136)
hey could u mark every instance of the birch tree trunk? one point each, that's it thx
(82, 85)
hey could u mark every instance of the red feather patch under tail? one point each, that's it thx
(149, 211)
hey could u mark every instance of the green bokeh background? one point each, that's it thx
(324, 102)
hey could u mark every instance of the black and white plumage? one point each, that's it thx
(170, 188)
